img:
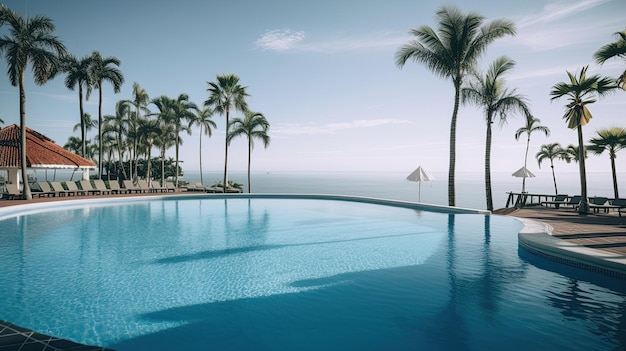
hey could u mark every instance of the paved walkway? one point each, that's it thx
(602, 231)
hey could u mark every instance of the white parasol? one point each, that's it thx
(420, 175)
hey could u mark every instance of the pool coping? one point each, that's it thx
(537, 238)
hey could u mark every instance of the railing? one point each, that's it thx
(526, 199)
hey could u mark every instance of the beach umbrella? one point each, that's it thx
(420, 175)
(523, 173)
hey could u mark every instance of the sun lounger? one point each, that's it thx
(132, 188)
(46, 190)
(99, 183)
(558, 200)
(619, 205)
(86, 185)
(157, 187)
(115, 188)
(71, 186)
(12, 191)
(170, 187)
(145, 187)
(572, 202)
(58, 187)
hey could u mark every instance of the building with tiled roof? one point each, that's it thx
(41, 153)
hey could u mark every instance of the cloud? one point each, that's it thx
(558, 10)
(331, 128)
(288, 40)
(279, 39)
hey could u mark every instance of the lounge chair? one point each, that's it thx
(58, 187)
(156, 186)
(618, 204)
(99, 183)
(46, 190)
(71, 186)
(11, 191)
(558, 200)
(115, 188)
(132, 188)
(170, 187)
(86, 185)
(572, 202)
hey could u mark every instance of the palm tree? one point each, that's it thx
(87, 123)
(580, 92)
(29, 41)
(551, 152)
(490, 93)
(611, 140)
(184, 110)
(530, 127)
(148, 132)
(616, 49)
(253, 126)
(452, 52)
(117, 126)
(140, 101)
(573, 153)
(78, 74)
(225, 95)
(104, 69)
(203, 119)
(167, 132)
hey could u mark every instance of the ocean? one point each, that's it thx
(470, 186)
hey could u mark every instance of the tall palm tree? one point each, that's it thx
(254, 126)
(104, 69)
(226, 95)
(580, 92)
(77, 71)
(203, 119)
(490, 93)
(140, 101)
(87, 123)
(551, 152)
(451, 52)
(532, 125)
(117, 126)
(184, 111)
(167, 132)
(611, 140)
(31, 41)
(615, 49)
(148, 131)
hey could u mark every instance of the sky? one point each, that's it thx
(324, 75)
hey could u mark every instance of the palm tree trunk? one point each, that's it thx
(525, 163)
(451, 169)
(249, 158)
(148, 174)
(25, 186)
(225, 184)
(176, 168)
(584, 200)
(163, 165)
(82, 119)
(615, 190)
(556, 191)
(100, 131)
(488, 166)
(201, 180)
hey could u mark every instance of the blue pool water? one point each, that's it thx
(297, 274)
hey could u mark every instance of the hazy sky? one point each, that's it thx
(324, 75)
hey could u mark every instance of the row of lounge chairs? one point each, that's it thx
(98, 187)
(595, 203)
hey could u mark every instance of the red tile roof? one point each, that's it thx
(41, 151)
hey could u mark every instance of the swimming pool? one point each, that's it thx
(234, 273)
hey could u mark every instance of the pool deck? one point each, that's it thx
(601, 235)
